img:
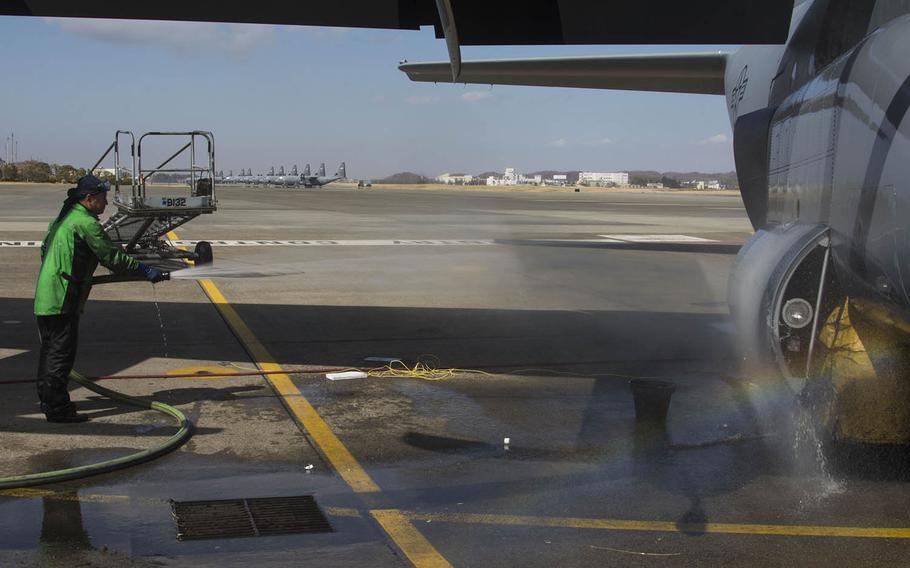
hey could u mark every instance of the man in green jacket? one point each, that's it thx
(70, 253)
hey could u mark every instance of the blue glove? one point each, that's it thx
(151, 273)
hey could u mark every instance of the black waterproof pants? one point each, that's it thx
(59, 338)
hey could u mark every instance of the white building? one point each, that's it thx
(454, 178)
(557, 179)
(492, 180)
(603, 178)
(100, 172)
(511, 177)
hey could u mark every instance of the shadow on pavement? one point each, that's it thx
(116, 335)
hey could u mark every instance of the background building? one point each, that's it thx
(110, 172)
(460, 179)
(603, 178)
(511, 177)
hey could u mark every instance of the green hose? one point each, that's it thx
(171, 444)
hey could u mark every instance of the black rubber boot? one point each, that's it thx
(67, 415)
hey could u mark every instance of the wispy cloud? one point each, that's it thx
(420, 100)
(560, 143)
(177, 36)
(474, 96)
(716, 139)
(601, 141)
(382, 37)
(322, 33)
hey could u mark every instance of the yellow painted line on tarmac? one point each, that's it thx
(417, 548)
(28, 493)
(337, 454)
(204, 372)
(661, 526)
(414, 545)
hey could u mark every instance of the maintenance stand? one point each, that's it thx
(142, 221)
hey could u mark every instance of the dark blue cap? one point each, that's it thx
(88, 185)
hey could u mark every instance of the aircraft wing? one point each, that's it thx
(701, 73)
(472, 22)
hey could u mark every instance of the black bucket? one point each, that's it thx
(652, 401)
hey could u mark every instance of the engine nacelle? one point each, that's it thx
(777, 295)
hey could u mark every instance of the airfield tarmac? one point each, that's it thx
(548, 302)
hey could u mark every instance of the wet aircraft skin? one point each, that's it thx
(835, 143)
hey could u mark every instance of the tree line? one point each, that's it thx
(40, 172)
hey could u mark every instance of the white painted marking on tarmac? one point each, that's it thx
(657, 239)
(301, 243)
(327, 243)
(402, 242)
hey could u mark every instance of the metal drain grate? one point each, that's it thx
(234, 518)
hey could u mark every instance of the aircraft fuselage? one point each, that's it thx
(835, 149)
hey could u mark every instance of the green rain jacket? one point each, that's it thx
(70, 254)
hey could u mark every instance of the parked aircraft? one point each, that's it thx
(320, 179)
(281, 179)
(817, 100)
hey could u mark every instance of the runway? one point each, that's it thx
(546, 304)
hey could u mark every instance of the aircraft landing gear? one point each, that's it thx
(203, 253)
(842, 361)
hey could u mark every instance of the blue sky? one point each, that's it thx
(277, 95)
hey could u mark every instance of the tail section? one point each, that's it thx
(342, 173)
(322, 169)
(306, 170)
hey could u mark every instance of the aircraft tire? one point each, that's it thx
(204, 253)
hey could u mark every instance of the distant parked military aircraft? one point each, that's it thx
(281, 179)
(321, 179)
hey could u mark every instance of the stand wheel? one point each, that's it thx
(204, 252)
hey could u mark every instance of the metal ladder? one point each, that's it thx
(142, 221)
